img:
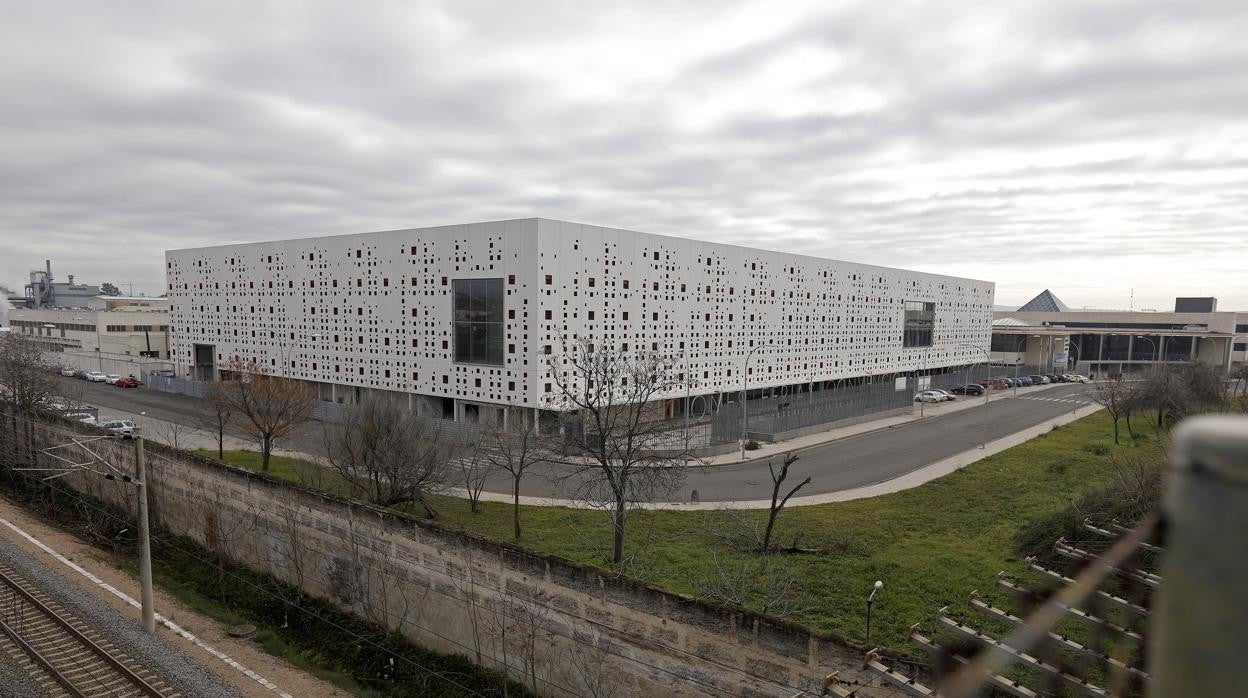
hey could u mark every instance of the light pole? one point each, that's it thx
(745, 394)
(1156, 356)
(871, 598)
(922, 403)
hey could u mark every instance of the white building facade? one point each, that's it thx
(464, 319)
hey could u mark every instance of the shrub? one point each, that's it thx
(1134, 490)
(1097, 449)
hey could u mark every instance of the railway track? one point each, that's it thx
(61, 653)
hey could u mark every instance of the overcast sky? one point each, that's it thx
(1087, 147)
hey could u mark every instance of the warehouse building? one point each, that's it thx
(462, 321)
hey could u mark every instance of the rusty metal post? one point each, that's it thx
(1201, 617)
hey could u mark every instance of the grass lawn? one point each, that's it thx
(931, 545)
(302, 471)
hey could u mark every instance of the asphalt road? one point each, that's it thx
(847, 463)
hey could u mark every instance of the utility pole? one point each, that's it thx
(145, 539)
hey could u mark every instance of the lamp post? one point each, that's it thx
(871, 598)
(1156, 356)
(922, 403)
(745, 394)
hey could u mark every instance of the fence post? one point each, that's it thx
(1201, 618)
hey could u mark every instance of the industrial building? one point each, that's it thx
(462, 321)
(115, 334)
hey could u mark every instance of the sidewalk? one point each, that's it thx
(930, 410)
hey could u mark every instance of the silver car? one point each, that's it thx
(122, 427)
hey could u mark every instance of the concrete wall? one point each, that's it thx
(568, 629)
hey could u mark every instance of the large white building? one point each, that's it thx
(463, 319)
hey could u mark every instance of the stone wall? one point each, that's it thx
(561, 627)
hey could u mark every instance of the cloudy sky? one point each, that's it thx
(1089, 147)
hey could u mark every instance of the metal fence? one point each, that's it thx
(778, 414)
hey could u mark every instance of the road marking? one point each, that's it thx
(159, 618)
(1068, 401)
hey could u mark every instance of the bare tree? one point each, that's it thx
(26, 380)
(620, 456)
(761, 583)
(777, 480)
(515, 453)
(1240, 375)
(1116, 397)
(474, 467)
(27, 384)
(216, 415)
(268, 407)
(388, 456)
(169, 433)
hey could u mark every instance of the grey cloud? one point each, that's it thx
(172, 126)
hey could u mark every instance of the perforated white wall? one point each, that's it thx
(374, 309)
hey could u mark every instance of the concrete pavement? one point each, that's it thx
(856, 461)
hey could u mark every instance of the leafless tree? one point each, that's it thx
(515, 452)
(1116, 397)
(26, 379)
(474, 467)
(388, 456)
(28, 386)
(777, 480)
(761, 583)
(168, 433)
(618, 459)
(216, 415)
(1240, 375)
(267, 407)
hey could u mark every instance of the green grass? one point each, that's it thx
(298, 470)
(931, 545)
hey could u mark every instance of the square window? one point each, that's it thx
(549, 279)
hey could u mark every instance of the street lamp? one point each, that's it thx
(926, 353)
(1020, 345)
(1156, 355)
(871, 598)
(745, 394)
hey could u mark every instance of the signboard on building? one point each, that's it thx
(1061, 358)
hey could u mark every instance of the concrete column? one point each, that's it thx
(537, 423)
(1195, 347)
(1130, 349)
(506, 419)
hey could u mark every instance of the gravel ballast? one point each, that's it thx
(185, 673)
(16, 682)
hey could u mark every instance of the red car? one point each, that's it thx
(127, 382)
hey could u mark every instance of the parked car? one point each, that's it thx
(994, 383)
(945, 394)
(69, 371)
(81, 373)
(1038, 380)
(112, 378)
(969, 389)
(928, 396)
(122, 427)
(127, 382)
(96, 376)
(1080, 378)
(1054, 378)
(1024, 381)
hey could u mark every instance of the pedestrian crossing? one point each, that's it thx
(1068, 401)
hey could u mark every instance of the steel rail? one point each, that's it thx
(11, 581)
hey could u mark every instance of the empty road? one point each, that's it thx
(839, 465)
